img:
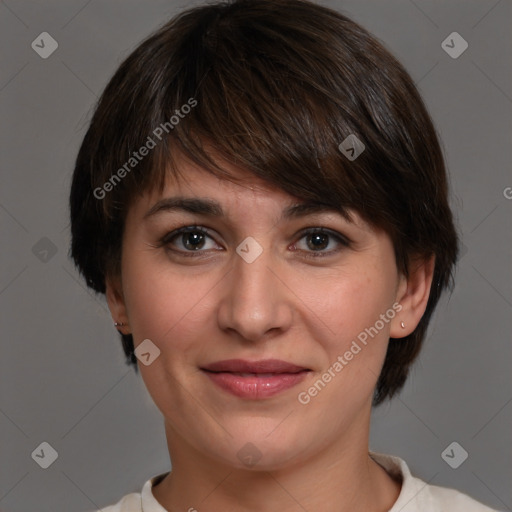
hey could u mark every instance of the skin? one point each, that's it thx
(213, 306)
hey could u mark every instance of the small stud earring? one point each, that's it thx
(402, 325)
(119, 324)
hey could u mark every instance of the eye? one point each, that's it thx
(193, 240)
(317, 240)
(189, 239)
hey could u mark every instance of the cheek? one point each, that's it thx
(354, 300)
(162, 304)
(356, 305)
(170, 310)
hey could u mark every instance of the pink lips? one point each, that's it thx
(256, 379)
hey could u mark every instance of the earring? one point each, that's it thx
(119, 324)
(402, 325)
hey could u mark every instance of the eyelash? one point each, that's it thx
(169, 237)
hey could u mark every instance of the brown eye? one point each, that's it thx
(189, 239)
(320, 242)
(193, 240)
(317, 241)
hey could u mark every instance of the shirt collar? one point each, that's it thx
(415, 494)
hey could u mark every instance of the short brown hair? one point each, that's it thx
(277, 86)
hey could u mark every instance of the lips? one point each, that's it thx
(255, 379)
(264, 366)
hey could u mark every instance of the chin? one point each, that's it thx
(256, 450)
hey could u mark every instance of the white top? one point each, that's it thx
(415, 496)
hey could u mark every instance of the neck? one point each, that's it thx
(340, 478)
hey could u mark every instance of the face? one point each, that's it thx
(243, 275)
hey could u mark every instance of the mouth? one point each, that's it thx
(255, 379)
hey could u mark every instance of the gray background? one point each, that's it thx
(63, 375)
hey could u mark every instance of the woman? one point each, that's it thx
(262, 197)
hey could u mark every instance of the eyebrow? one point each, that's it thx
(212, 208)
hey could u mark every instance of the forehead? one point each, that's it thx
(239, 194)
(189, 180)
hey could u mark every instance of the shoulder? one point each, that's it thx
(419, 496)
(139, 501)
(453, 500)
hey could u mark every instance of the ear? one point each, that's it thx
(116, 303)
(412, 294)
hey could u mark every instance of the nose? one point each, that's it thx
(255, 303)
